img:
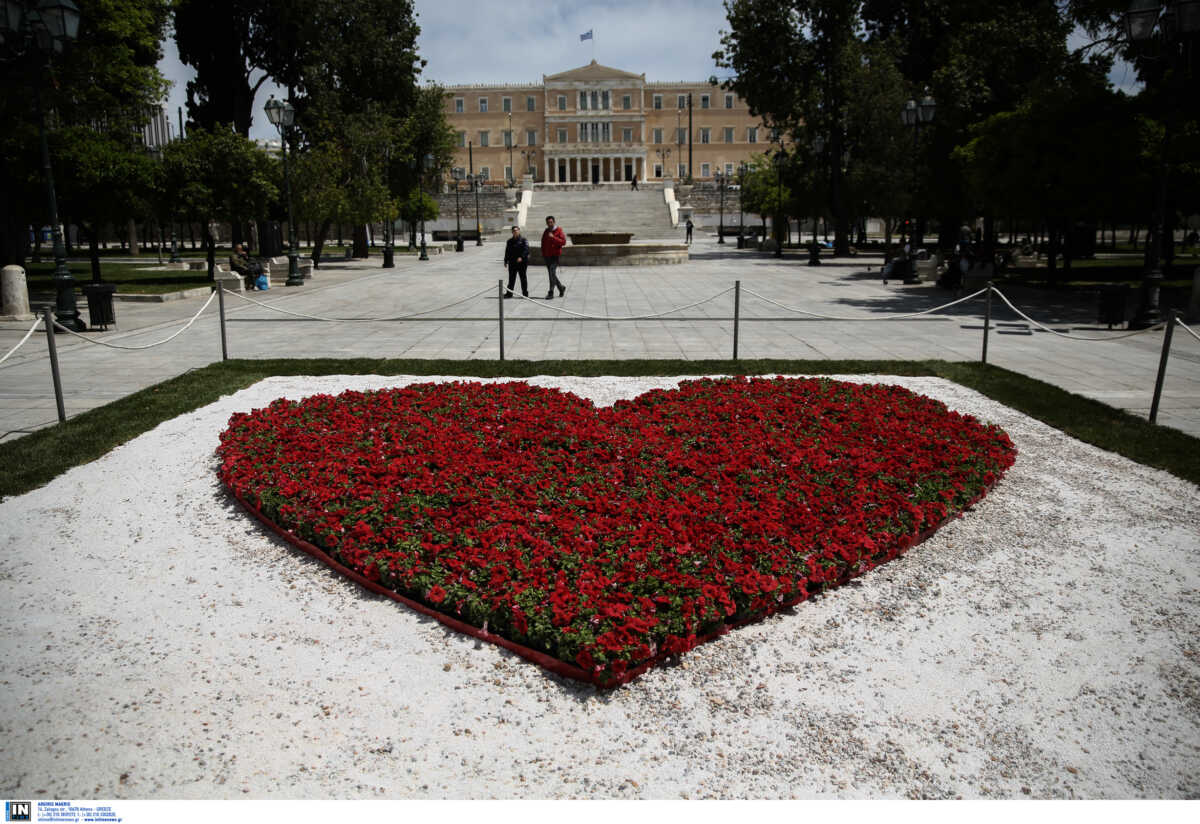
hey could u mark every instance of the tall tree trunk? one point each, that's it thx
(1052, 251)
(319, 240)
(988, 252)
(93, 248)
(360, 240)
(210, 244)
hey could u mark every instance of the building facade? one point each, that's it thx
(597, 124)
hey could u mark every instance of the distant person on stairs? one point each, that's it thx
(516, 258)
(553, 241)
(690, 227)
(634, 187)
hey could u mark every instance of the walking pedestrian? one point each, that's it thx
(690, 227)
(516, 258)
(553, 241)
(635, 188)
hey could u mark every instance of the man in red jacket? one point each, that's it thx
(553, 241)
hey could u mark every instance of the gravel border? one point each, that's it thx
(159, 643)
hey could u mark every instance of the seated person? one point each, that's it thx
(241, 263)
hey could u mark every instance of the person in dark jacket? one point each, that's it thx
(516, 258)
(553, 241)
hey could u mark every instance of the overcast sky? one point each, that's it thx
(465, 41)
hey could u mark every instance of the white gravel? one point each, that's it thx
(157, 643)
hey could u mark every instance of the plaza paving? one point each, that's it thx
(1120, 373)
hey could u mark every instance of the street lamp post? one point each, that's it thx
(508, 138)
(721, 222)
(458, 241)
(282, 115)
(679, 137)
(426, 165)
(915, 115)
(1175, 26)
(477, 184)
(779, 159)
(48, 26)
(741, 188)
(389, 228)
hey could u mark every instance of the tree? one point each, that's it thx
(97, 95)
(762, 194)
(794, 63)
(219, 176)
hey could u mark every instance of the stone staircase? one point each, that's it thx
(603, 210)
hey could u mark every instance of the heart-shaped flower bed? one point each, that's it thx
(598, 542)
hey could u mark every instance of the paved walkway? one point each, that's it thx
(1120, 373)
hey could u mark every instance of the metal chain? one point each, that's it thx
(70, 331)
(22, 341)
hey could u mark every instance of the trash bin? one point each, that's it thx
(100, 304)
(1113, 301)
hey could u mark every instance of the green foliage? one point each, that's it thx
(220, 176)
(418, 206)
(97, 95)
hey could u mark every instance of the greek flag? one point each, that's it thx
(587, 35)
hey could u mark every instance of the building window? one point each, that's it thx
(752, 134)
(605, 100)
(531, 137)
(681, 135)
(658, 101)
(583, 133)
(627, 102)
(531, 104)
(583, 101)
(729, 101)
(483, 138)
(485, 173)
(627, 135)
(462, 140)
(658, 170)
(705, 136)
(774, 135)
(595, 100)
(508, 175)
(704, 101)
(483, 104)
(681, 101)
(728, 134)
(458, 105)
(606, 132)
(562, 102)
(728, 170)
(506, 104)
(683, 170)
(562, 135)
(704, 170)
(508, 138)
(658, 135)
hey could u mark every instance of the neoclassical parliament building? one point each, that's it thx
(597, 124)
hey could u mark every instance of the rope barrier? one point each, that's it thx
(22, 341)
(70, 331)
(357, 320)
(840, 317)
(623, 317)
(1075, 337)
(1186, 328)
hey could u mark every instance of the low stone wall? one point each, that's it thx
(618, 254)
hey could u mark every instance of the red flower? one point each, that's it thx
(607, 537)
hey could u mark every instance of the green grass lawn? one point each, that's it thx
(133, 278)
(31, 461)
